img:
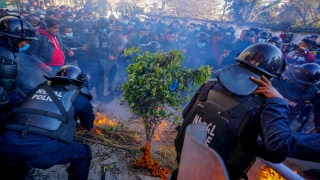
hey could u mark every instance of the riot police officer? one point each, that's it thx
(39, 132)
(230, 111)
(15, 36)
(298, 86)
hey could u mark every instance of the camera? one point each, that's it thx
(291, 47)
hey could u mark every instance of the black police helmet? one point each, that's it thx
(102, 22)
(304, 74)
(16, 27)
(276, 40)
(264, 35)
(263, 58)
(202, 37)
(69, 74)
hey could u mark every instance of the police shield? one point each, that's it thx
(197, 160)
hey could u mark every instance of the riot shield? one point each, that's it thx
(199, 162)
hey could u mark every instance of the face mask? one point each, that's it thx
(262, 40)
(103, 30)
(163, 22)
(191, 30)
(69, 11)
(125, 22)
(140, 36)
(201, 45)
(148, 28)
(70, 20)
(133, 23)
(228, 33)
(152, 22)
(24, 48)
(183, 38)
(197, 29)
(69, 35)
(86, 31)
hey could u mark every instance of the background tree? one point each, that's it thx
(303, 12)
(204, 9)
(127, 8)
(101, 6)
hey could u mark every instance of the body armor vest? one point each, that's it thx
(8, 70)
(47, 110)
(225, 118)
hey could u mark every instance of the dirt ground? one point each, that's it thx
(116, 163)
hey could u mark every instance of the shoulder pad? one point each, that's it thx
(5, 53)
(85, 91)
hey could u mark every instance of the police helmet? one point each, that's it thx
(264, 58)
(255, 61)
(304, 74)
(69, 74)
(102, 22)
(276, 40)
(264, 35)
(16, 27)
(202, 37)
(153, 46)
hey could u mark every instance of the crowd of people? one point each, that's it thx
(66, 43)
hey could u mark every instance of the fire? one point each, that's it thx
(267, 173)
(101, 120)
(136, 138)
(98, 131)
(160, 129)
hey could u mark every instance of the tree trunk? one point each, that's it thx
(224, 10)
(150, 129)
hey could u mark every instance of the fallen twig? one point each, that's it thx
(110, 145)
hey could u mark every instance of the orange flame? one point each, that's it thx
(267, 173)
(98, 131)
(136, 138)
(102, 119)
(160, 129)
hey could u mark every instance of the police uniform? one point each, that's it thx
(39, 132)
(275, 122)
(299, 86)
(231, 113)
(13, 30)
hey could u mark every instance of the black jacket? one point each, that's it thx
(42, 49)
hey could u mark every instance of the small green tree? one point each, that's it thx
(148, 87)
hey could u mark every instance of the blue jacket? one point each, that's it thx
(277, 133)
